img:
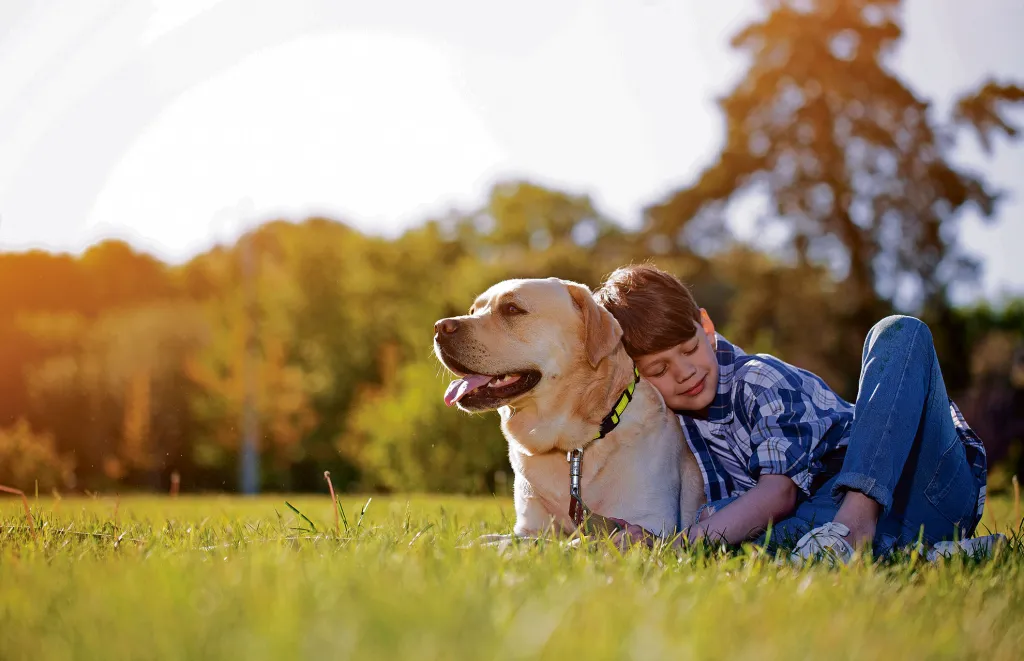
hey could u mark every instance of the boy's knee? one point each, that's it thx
(900, 330)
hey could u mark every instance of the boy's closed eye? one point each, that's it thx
(658, 369)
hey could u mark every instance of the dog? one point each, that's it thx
(550, 359)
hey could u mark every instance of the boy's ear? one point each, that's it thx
(709, 327)
(601, 331)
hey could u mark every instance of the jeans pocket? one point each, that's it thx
(952, 491)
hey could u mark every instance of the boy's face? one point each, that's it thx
(686, 374)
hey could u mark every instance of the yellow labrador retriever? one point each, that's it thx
(551, 361)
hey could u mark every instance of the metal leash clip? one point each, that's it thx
(577, 509)
(588, 522)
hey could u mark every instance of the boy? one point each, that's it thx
(776, 444)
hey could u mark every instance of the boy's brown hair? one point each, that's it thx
(656, 310)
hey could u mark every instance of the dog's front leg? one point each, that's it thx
(533, 518)
(691, 489)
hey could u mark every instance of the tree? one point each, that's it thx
(775, 307)
(858, 170)
(113, 393)
(408, 440)
(49, 299)
(996, 402)
(250, 353)
(29, 459)
(526, 216)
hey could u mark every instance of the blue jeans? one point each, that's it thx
(904, 452)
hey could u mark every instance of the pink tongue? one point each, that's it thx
(459, 388)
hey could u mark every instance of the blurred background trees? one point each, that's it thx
(117, 369)
(853, 169)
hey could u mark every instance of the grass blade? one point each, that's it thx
(334, 501)
(305, 518)
(24, 501)
(363, 511)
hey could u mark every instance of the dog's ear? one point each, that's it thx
(601, 332)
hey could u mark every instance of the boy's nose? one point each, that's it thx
(683, 375)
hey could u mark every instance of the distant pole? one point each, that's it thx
(250, 457)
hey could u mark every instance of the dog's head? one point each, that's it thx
(521, 339)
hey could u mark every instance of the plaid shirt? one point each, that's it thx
(769, 417)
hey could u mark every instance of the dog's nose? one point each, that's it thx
(446, 327)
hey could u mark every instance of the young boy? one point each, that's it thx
(776, 444)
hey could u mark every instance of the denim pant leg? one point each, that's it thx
(904, 451)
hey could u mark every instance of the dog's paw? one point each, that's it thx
(501, 542)
(494, 540)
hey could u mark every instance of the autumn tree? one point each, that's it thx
(112, 392)
(857, 168)
(29, 459)
(248, 365)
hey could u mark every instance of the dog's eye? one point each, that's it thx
(512, 309)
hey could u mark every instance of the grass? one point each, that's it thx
(234, 578)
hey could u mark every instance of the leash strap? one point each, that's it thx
(586, 520)
(578, 510)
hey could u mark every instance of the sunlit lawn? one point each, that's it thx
(234, 578)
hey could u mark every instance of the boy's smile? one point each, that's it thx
(686, 374)
(696, 390)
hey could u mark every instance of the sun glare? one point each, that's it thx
(331, 121)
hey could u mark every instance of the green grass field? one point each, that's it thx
(232, 578)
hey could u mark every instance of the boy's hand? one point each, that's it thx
(631, 534)
(634, 534)
(772, 499)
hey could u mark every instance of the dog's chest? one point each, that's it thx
(640, 485)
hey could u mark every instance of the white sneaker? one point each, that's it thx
(827, 542)
(975, 548)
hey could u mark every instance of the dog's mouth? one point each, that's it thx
(481, 392)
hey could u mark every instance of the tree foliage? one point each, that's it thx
(128, 369)
(857, 170)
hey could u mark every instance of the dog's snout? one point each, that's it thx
(446, 327)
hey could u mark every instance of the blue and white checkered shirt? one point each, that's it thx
(769, 417)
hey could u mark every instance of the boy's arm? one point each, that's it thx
(786, 424)
(772, 498)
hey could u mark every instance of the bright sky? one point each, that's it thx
(174, 123)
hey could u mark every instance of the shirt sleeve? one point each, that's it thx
(784, 428)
